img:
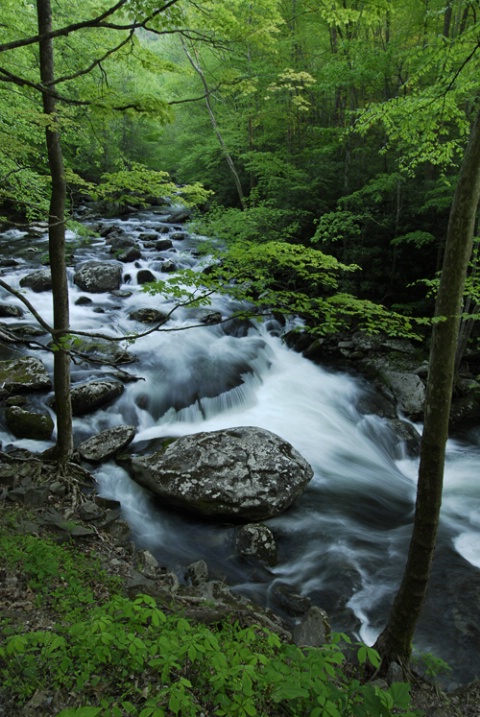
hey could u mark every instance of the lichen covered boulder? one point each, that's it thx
(244, 474)
(106, 444)
(97, 277)
(23, 375)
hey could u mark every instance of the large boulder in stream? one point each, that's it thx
(243, 474)
(106, 444)
(89, 396)
(24, 375)
(97, 277)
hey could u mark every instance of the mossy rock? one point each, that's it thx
(28, 424)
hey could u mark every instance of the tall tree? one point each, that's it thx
(395, 642)
(56, 238)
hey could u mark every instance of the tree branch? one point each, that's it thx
(29, 306)
(98, 21)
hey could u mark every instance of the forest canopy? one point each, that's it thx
(338, 124)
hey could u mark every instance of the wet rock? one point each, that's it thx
(40, 280)
(23, 375)
(28, 424)
(98, 350)
(125, 249)
(148, 316)
(465, 410)
(408, 389)
(179, 214)
(163, 244)
(90, 396)
(168, 267)
(178, 235)
(145, 276)
(289, 601)
(121, 293)
(409, 439)
(106, 444)
(256, 541)
(244, 473)
(197, 573)
(205, 316)
(10, 311)
(313, 630)
(97, 277)
(29, 332)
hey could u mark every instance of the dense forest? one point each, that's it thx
(337, 126)
(333, 146)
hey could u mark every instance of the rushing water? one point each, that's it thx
(344, 542)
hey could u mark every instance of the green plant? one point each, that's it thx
(429, 665)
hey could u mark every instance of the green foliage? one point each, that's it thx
(417, 239)
(137, 184)
(429, 665)
(257, 224)
(291, 279)
(105, 655)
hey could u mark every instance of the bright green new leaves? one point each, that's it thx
(290, 279)
(139, 184)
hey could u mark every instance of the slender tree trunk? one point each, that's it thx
(394, 643)
(56, 243)
(231, 165)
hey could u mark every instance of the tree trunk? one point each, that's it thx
(56, 243)
(395, 642)
(231, 165)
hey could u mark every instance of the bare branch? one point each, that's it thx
(29, 306)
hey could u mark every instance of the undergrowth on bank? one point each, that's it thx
(105, 655)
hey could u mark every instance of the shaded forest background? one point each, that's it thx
(339, 125)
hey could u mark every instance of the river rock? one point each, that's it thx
(28, 424)
(408, 390)
(148, 316)
(163, 244)
(145, 276)
(90, 396)
(314, 630)
(97, 277)
(245, 474)
(40, 280)
(409, 439)
(125, 249)
(256, 541)
(106, 444)
(8, 310)
(24, 374)
(103, 351)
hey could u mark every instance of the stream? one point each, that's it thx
(344, 542)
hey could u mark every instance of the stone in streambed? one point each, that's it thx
(24, 374)
(97, 277)
(90, 396)
(28, 424)
(106, 444)
(243, 474)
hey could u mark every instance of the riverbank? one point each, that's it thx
(111, 566)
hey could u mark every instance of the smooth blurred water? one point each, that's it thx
(344, 542)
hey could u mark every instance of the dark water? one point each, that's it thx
(344, 542)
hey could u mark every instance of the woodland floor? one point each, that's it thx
(18, 602)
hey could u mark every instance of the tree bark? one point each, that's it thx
(231, 165)
(56, 242)
(395, 642)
